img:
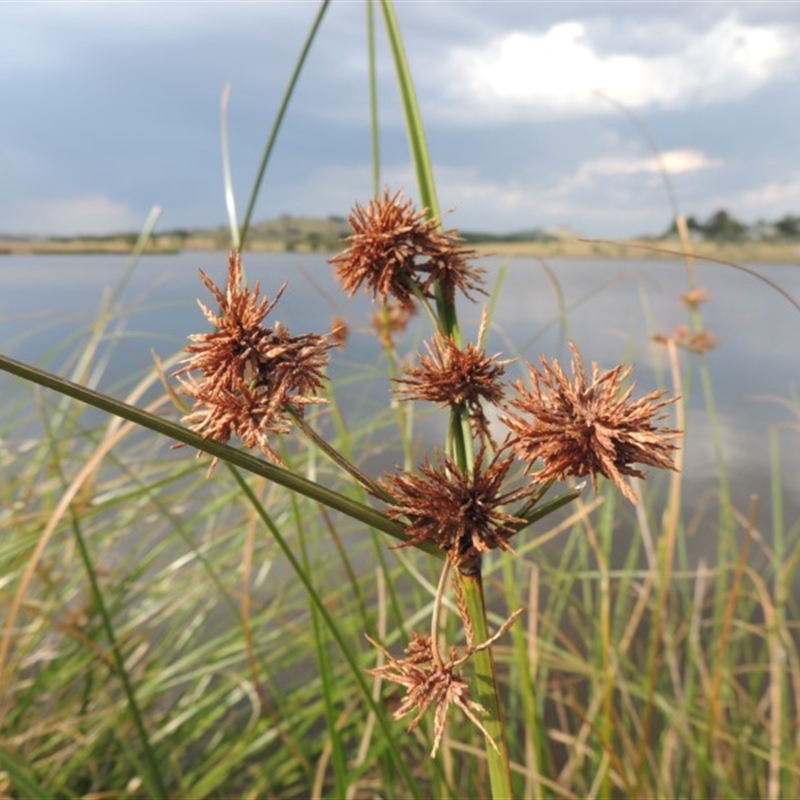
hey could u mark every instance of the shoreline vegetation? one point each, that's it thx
(307, 235)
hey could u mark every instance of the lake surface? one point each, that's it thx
(611, 311)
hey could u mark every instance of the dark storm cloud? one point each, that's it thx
(111, 108)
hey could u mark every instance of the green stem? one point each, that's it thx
(416, 134)
(461, 444)
(486, 684)
(373, 101)
(338, 458)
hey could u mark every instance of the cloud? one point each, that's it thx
(558, 72)
(610, 189)
(94, 214)
(673, 161)
(774, 197)
(475, 202)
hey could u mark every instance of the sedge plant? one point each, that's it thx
(475, 494)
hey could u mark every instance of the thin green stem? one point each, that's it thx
(276, 125)
(486, 683)
(373, 100)
(326, 671)
(338, 458)
(413, 117)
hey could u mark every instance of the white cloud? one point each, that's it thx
(775, 197)
(673, 161)
(559, 71)
(596, 173)
(94, 214)
(677, 161)
(482, 204)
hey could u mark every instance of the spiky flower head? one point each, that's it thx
(250, 377)
(449, 375)
(391, 319)
(426, 683)
(394, 249)
(459, 511)
(699, 342)
(588, 427)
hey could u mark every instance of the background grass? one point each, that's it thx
(635, 672)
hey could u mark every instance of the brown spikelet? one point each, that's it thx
(244, 377)
(459, 512)
(588, 427)
(449, 375)
(390, 320)
(394, 251)
(428, 681)
(700, 342)
(340, 332)
(695, 296)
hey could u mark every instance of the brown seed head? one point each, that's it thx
(340, 331)
(448, 375)
(427, 684)
(582, 427)
(700, 342)
(394, 248)
(391, 319)
(459, 512)
(695, 296)
(249, 375)
(428, 681)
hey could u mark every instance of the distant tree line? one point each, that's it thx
(721, 226)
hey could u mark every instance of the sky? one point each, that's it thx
(110, 108)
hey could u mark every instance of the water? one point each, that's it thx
(612, 309)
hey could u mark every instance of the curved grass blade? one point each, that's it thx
(21, 778)
(668, 251)
(276, 125)
(224, 452)
(227, 177)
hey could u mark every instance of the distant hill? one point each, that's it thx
(536, 235)
(720, 236)
(287, 233)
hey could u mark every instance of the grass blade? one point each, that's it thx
(276, 125)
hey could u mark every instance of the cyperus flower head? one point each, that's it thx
(588, 427)
(450, 375)
(460, 511)
(394, 249)
(250, 376)
(430, 681)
